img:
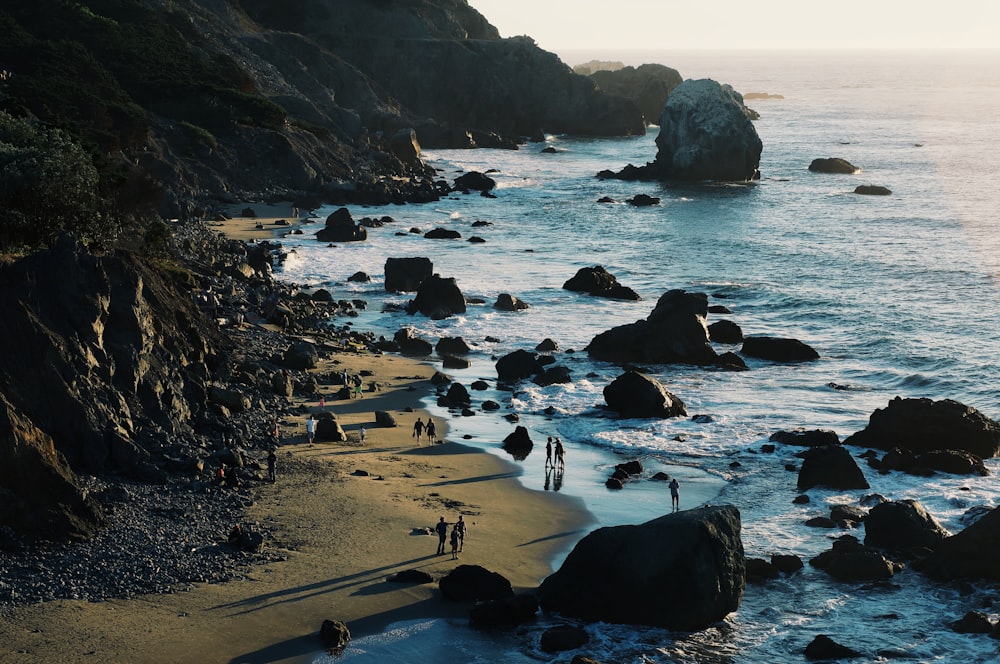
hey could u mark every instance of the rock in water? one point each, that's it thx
(636, 395)
(681, 571)
(706, 134)
(340, 227)
(923, 425)
(674, 332)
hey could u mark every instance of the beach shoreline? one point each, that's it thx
(339, 533)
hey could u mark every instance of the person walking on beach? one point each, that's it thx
(454, 543)
(361, 434)
(272, 464)
(357, 386)
(442, 531)
(418, 431)
(431, 432)
(548, 452)
(461, 529)
(675, 497)
(311, 429)
(560, 454)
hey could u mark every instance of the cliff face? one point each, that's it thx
(235, 98)
(110, 357)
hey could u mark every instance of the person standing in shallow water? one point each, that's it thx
(675, 497)
(548, 452)
(560, 455)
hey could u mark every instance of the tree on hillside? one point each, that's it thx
(48, 184)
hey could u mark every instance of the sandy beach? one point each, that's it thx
(341, 532)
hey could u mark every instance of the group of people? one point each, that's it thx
(419, 428)
(458, 532)
(560, 454)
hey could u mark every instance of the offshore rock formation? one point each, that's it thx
(706, 133)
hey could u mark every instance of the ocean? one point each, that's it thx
(898, 294)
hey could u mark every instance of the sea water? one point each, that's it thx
(898, 294)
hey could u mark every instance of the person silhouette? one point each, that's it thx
(442, 532)
(675, 498)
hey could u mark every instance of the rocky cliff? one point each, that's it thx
(237, 98)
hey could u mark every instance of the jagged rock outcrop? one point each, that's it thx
(674, 332)
(633, 394)
(681, 571)
(924, 425)
(104, 356)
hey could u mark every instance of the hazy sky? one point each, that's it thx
(559, 25)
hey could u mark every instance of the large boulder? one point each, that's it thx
(404, 275)
(438, 297)
(301, 355)
(518, 443)
(681, 571)
(850, 561)
(340, 227)
(518, 365)
(901, 525)
(778, 349)
(475, 181)
(674, 332)
(328, 429)
(833, 165)
(474, 583)
(973, 553)
(706, 134)
(405, 146)
(923, 425)
(409, 343)
(633, 394)
(830, 466)
(599, 282)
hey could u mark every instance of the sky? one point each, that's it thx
(561, 25)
